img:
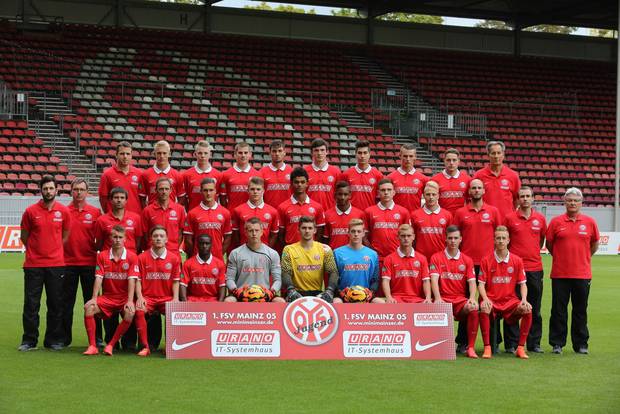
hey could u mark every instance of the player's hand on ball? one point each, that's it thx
(327, 296)
(270, 293)
(292, 295)
(369, 295)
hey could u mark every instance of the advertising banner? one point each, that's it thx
(9, 239)
(309, 328)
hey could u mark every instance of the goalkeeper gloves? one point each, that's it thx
(292, 295)
(327, 296)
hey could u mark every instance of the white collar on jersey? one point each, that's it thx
(324, 168)
(205, 207)
(429, 212)
(200, 261)
(294, 200)
(505, 260)
(123, 255)
(346, 212)
(205, 171)
(389, 207)
(360, 171)
(401, 254)
(165, 170)
(274, 168)
(403, 172)
(457, 256)
(245, 170)
(161, 256)
(260, 205)
(448, 176)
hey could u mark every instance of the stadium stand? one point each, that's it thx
(146, 85)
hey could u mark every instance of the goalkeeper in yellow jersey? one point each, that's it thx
(304, 265)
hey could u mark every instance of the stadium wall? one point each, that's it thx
(155, 15)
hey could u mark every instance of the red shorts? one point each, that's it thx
(506, 309)
(202, 299)
(458, 303)
(408, 299)
(109, 305)
(157, 304)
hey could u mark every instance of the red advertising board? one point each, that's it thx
(309, 328)
(9, 239)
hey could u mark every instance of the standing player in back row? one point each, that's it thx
(277, 175)
(124, 175)
(161, 168)
(408, 182)
(192, 177)
(234, 184)
(453, 183)
(363, 178)
(322, 177)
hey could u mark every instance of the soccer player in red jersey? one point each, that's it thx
(208, 218)
(337, 219)
(123, 175)
(167, 213)
(321, 176)
(80, 255)
(192, 177)
(500, 182)
(297, 206)
(500, 273)
(453, 281)
(363, 178)
(157, 284)
(383, 220)
(44, 230)
(256, 207)
(234, 184)
(277, 175)
(408, 182)
(527, 229)
(203, 278)
(430, 223)
(161, 168)
(572, 239)
(116, 273)
(404, 273)
(119, 215)
(453, 183)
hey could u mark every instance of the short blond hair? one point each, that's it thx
(203, 144)
(160, 144)
(355, 222)
(405, 227)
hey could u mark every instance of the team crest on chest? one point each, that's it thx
(486, 216)
(416, 181)
(505, 182)
(366, 258)
(461, 268)
(168, 266)
(511, 269)
(330, 179)
(125, 266)
(582, 227)
(416, 264)
(173, 213)
(462, 184)
(372, 181)
(442, 221)
(311, 209)
(88, 216)
(267, 216)
(215, 271)
(396, 216)
(134, 178)
(535, 222)
(130, 222)
(317, 257)
(287, 176)
(220, 217)
(57, 214)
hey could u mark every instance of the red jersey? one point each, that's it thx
(383, 223)
(430, 229)
(131, 223)
(322, 184)
(526, 236)
(234, 185)
(191, 179)
(292, 210)
(363, 185)
(452, 189)
(500, 191)
(116, 273)
(113, 177)
(214, 221)
(80, 246)
(150, 177)
(337, 225)
(277, 183)
(501, 277)
(269, 217)
(172, 218)
(477, 229)
(45, 228)
(157, 273)
(409, 187)
(406, 274)
(203, 279)
(453, 273)
(571, 241)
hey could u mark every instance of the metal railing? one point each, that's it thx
(13, 104)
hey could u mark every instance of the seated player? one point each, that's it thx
(116, 272)
(203, 278)
(404, 275)
(158, 283)
(453, 281)
(305, 263)
(253, 263)
(358, 265)
(500, 273)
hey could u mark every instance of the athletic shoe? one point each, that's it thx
(144, 352)
(536, 350)
(471, 353)
(56, 347)
(92, 350)
(557, 349)
(583, 350)
(108, 350)
(26, 347)
(461, 349)
(100, 343)
(520, 353)
(510, 350)
(487, 354)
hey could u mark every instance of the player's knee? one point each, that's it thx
(230, 299)
(128, 316)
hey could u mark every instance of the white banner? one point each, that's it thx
(609, 243)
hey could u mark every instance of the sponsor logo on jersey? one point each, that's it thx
(310, 321)
(189, 319)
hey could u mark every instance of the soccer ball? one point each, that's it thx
(356, 294)
(254, 293)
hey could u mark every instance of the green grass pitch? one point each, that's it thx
(66, 382)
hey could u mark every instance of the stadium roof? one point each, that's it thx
(602, 14)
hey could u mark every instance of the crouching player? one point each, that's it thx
(203, 278)
(500, 273)
(305, 263)
(453, 281)
(158, 282)
(358, 267)
(404, 275)
(251, 266)
(116, 272)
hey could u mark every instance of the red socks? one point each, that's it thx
(91, 327)
(526, 324)
(120, 331)
(472, 328)
(485, 327)
(141, 328)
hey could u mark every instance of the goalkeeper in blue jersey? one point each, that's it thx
(358, 267)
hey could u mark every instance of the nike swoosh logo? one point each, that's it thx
(178, 347)
(418, 346)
